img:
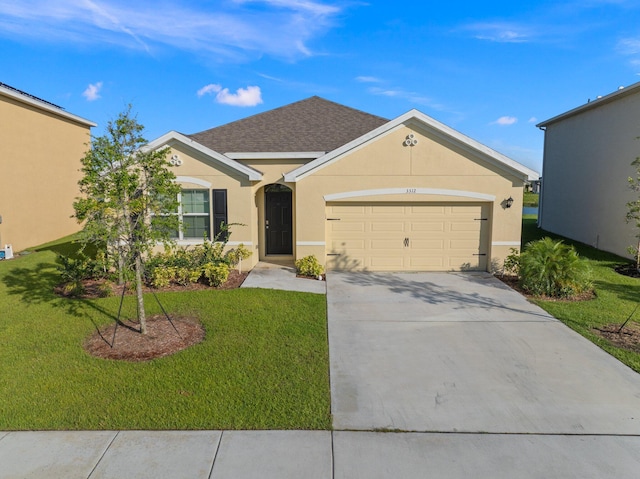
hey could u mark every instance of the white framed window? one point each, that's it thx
(194, 212)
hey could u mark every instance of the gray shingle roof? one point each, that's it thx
(314, 124)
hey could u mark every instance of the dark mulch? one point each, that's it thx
(512, 282)
(123, 340)
(628, 338)
(628, 270)
(100, 288)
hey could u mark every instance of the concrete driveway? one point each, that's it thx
(461, 352)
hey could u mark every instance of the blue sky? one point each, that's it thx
(491, 70)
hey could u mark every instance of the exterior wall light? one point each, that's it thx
(508, 202)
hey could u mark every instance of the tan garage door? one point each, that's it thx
(408, 237)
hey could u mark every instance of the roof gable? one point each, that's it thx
(435, 127)
(311, 125)
(173, 137)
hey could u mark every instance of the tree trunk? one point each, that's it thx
(141, 313)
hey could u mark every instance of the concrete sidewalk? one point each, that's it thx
(313, 454)
(280, 276)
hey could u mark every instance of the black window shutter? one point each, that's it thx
(219, 198)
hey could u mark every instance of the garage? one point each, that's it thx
(420, 236)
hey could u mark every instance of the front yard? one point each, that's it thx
(616, 298)
(263, 363)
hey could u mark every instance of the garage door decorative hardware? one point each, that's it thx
(480, 219)
(406, 242)
(479, 254)
(333, 254)
(333, 219)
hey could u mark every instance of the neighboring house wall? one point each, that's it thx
(41, 149)
(587, 161)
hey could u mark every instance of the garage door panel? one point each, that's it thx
(348, 245)
(468, 226)
(384, 226)
(401, 237)
(430, 210)
(429, 263)
(352, 210)
(386, 245)
(349, 226)
(432, 226)
(386, 263)
(436, 245)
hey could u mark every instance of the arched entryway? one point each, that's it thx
(278, 220)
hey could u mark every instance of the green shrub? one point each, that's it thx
(512, 263)
(74, 270)
(216, 274)
(552, 268)
(309, 266)
(236, 255)
(161, 277)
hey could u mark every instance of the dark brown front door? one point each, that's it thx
(278, 219)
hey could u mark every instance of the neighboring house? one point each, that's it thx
(355, 190)
(41, 149)
(587, 160)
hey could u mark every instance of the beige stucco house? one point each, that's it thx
(587, 160)
(41, 149)
(356, 190)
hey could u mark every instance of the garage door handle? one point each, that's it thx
(406, 242)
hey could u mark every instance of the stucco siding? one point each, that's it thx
(587, 160)
(385, 165)
(42, 155)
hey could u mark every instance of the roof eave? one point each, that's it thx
(616, 95)
(48, 108)
(174, 136)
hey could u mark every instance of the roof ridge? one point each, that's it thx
(310, 124)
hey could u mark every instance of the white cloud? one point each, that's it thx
(368, 79)
(92, 92)
(505, 121)
(208, 89)
(410, 96)
(533, 119)
(500, 32)
(250, 96)
(227, 30)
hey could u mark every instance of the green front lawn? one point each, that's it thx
(616, 296)
(263, 364)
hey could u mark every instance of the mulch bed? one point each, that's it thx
(628, 270)
(123, 340)
(628, 338)
(512, 282)
(95, 288)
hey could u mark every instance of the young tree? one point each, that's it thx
(633, 210)
(127, 192)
